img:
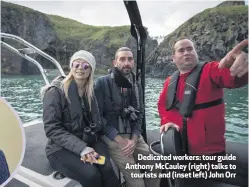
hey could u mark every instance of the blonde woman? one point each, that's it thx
(73, 126)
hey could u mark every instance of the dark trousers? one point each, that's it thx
(88, 175)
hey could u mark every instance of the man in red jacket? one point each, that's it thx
(192, 98)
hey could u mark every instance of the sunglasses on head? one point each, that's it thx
(84, 65)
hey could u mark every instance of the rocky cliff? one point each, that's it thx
(60, 37)
(215, 31)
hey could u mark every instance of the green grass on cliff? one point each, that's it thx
(202, 17)
(68, 28)
(226, 11)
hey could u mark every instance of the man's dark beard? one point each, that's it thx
(126, 70)
(120, 78)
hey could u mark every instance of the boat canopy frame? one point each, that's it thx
(30, 49)
(139, 32)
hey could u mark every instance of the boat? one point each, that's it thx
(35, 170)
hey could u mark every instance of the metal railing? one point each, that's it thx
(30, 50)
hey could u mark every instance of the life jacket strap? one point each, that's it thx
(202, 105)
(208, 104)
(184, 136)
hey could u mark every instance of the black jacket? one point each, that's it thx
(64, 121)
(110, 105)
(4, 168)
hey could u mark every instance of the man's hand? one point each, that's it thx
(121, 141)
(166, 126)
(236, 60)
(129, 148)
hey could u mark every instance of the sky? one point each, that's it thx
(160, 17)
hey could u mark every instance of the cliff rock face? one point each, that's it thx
(215, 32)
(34, 28)
(60, 37)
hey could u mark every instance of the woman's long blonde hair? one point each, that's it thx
(88, 86)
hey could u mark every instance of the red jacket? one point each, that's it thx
(206, 128)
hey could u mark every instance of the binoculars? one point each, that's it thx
(89, 135)
(91, 129)
(130, 113)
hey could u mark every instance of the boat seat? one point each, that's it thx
(16, 183)
(35, 158)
